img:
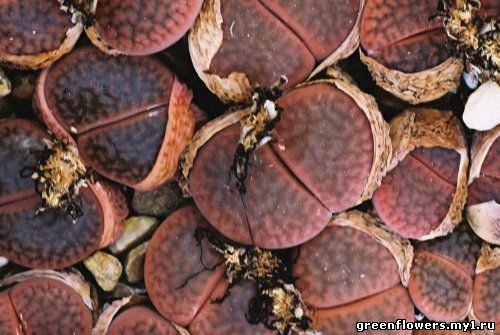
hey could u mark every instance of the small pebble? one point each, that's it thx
(122, 290)
(160, 202)
(3, 261)
(482, 110)
(23, 85)
(134, 263)
(5, 85)
(105, 268)
(136, 229)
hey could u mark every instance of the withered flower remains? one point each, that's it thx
(277, 303)
(256, 128)
(58, 177)
(472, 38)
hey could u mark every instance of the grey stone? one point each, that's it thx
(136, 229)
(160, 202)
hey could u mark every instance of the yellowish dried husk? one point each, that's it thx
(426, 127)
(480, 147)
(72, 278)
(489, 258)
(484, 218)
(418, 87)
(205, 39)
(347, 47)
(44, 59)
(110, 310)
(380, 131)
(93, 34)
(5, 85)
(400, 247)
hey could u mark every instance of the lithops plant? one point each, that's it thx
(41, 229)
(424, 192)
(486, 295)
(329, 152)
(441, 279)
(405, 50)
(133, 315)
(236, 45)
(130, 117)
(46, 302)
(483, 203)
(35, 33)
(134, 27)
(182, 291)
(353, 271)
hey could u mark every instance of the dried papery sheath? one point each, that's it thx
(428, 149)
(406, 52)
(474, 39)
(58, 177)
(277, 303)
(483, 203)
(238, 45)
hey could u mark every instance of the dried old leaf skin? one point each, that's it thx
(29, 27)
(47, 306)
(333, 270)
(228, 317)
(487, 186)
(9, 324)
(323, 25)
(129, 116)
(268, 210)
(49, 239)
(486, 299)
(257, 44)
(326, 140)
(416, 195)
(173, 255)
(389, 305)
(141, 28)
(400, 36)
(140, 320)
